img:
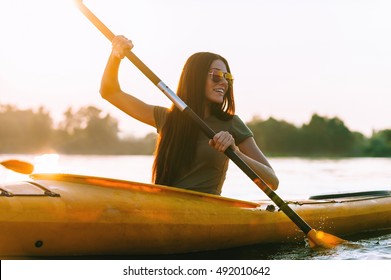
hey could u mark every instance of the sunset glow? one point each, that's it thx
(47, 163)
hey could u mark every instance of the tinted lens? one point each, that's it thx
(228, 77)
(217, 76)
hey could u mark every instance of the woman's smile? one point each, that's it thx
(215, 91)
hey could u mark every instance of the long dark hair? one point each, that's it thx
(176, 146)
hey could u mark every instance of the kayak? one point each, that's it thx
(76, 215)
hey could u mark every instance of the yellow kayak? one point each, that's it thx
(74, 215)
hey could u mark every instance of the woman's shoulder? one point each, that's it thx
(237, 121)
(239, 129)
(160, 114)
(161, 111)
(236, 118)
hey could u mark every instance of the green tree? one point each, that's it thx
(326, 136)
(379, 145)
(88, 131)
(275, 137)
(138, 146)
(24, 131)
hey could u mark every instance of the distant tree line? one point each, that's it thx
(84, 131)
(90, 131)
(322, 136)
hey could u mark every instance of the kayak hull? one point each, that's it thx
(70, 215)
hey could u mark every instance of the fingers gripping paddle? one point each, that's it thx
(18, 166)
(316, 238)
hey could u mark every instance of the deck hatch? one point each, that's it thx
(26, 189)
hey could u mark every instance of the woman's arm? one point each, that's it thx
(111, 90)
(249, 152)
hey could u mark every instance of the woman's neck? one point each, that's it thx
(207, 111)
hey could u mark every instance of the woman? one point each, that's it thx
(184, 157)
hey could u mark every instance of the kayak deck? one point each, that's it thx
(64, 214)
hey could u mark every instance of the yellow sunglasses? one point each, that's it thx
(217, 76)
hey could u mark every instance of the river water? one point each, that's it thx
(299, 178)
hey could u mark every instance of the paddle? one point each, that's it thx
(316, 238)
(18, 166)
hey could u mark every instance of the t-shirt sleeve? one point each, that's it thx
(160, 114)
(240, 130)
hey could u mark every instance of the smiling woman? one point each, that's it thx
(218, 84)
(179, 135)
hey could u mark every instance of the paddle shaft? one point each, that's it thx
(203, 126)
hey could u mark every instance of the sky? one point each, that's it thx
(290, 59)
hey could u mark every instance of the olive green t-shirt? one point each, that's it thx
(208, 171)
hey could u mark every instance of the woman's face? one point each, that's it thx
(216, 85)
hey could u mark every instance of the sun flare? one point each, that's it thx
(47, 163)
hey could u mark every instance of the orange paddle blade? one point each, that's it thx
(18, 166)
(322, 239)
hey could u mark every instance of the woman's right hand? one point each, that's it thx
(120, 46)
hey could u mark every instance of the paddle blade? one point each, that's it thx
(322, 239)
(18, 166)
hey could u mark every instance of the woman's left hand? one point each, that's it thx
(222, 140)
